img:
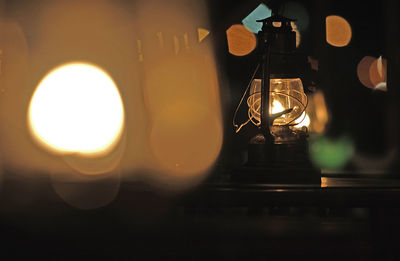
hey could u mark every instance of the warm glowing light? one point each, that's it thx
(302, 121)
(379, 66)
(240, 40)
(372, 72)
(363, 71)
(140, 51)
(298, 35)
(261, 12)
(186, 41)
(324, 182)
(382, 86)
(1, 63)
(183, 144)
(160, 39)
(185, 136)
(284, 94)
(176, 45)
(377, 71)
(316, 116)
(276, 107)
(77, 108)
(338, 31)
(318, 106)
(202, 34)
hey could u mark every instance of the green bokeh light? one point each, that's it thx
(331, 154)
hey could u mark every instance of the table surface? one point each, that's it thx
(344, 189)
(335, 190)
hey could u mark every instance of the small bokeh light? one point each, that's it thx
(372, 72)
(377, 73)
(338, 31)
(202, 34)
(317, 112)
(250, 21)
(240, 40)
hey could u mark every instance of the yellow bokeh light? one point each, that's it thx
(77, 108)
(317, 115)
(377, 71)
(338, 31)
(372, 71)
(202, 34)
(186, 138)
(363, 71)
(183, 101)
(298, 35)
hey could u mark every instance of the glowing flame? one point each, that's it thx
(303, 120)
(76, 108)
(277, 107)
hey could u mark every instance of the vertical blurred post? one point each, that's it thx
(1, 74)
(392, 43)
(181, 92)
(2, 6)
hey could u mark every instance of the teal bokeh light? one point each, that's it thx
(261, 12)
(331, 154)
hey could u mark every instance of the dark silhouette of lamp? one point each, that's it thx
(276, 102)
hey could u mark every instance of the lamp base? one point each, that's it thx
(277, 175)
(278, 163)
